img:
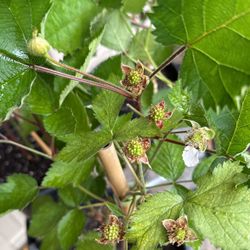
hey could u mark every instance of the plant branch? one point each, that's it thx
(167, 61)
(113, 88)
(7, 141)
(169, 184)
(92, 205)
(134, 110)
(86, 191)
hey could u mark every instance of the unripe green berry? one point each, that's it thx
(135, 148)
(111, 232)
(157, 114)
(181, 234)
(38, 46)
(134, 77)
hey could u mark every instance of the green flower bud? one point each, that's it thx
(38, 46)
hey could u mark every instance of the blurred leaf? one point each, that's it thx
(133, 6)
(143, 47)
(50, 241)
(208, 30)
(70, 227)
(88, 242)
(45, 215)
(117, 34)
(17, 192)
(67, 24)
(114, 209)
(168, 161)
(116, 4)
(203, 168)
(61, 174)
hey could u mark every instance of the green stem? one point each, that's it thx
(141, 174)
(169, 184)
(135, 110)
(6, 141)
(92, 205)
(167, 61)
(113, 88)
(86, 191)
(128, 164)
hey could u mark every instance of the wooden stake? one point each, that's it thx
(41, 143)
(113, 169)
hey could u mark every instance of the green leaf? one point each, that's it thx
(71, 196)
(87, 241)
(15, 30)
(168, 161)
(45, 215)
(146, 223)
(47, 105)
(60, 174)
(241, 136)
(117, 31)
(17, 192)
(50, 241)
(70, 227)
(67, 33)
(203, 167)
(114, 209)
(133, 6)
(107, 104)
(208, 29)
(82, 146)
(143, 47)
(140, 127)
(219, 210)
(231, 129)
(71, 118)
(15, 84)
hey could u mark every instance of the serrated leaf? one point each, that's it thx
(60, 174)
(168, 161)
(145, 48)
(140, 127)
(67, 33)
(71, 118)
(117, 33)
(88, 241)
(42, 88)
(15, 30)
(70, 227)
(208, 29)
(241, 136)
(231, 128)
(82, 146)
(45, 215)
(219, 210)
(17, 192)
(203, 167)
(92, 46)
(146, 223)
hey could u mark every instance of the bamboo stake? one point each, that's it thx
(113, 169)
(41, 143)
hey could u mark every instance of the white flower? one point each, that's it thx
(190, 156)
(55, 54)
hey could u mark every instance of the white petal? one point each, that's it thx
(190, 156)
(55, 54)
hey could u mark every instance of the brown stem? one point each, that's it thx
(167, 61)
(41, 143)
(114, 88)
